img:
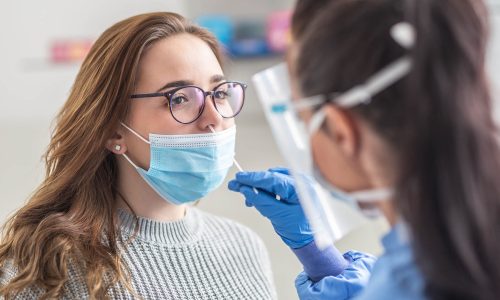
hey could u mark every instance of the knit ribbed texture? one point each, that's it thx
(199, 257)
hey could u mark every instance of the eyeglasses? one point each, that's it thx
(186, 103)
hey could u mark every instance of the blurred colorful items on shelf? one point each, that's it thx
(69, 50)
(221, 26)
(278, 30)
(250, 37)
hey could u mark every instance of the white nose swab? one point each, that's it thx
(235, 162)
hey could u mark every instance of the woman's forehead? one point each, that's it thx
(180, 57)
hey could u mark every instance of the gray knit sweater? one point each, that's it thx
(199, 257)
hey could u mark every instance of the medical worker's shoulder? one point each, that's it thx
(395, 275)
(388, 285)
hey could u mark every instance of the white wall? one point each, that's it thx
(30, 87)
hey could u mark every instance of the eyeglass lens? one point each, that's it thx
(187, 103)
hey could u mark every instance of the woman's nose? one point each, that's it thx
(210, 116)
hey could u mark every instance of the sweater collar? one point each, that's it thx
(177, 232)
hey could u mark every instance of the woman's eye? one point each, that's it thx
(179, 100)
(221, 94)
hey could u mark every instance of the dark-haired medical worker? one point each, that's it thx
(395, 99)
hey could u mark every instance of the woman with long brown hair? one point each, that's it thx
(147, 129)
(396, 100)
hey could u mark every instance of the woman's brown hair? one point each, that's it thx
(438, 119)
(70, 219)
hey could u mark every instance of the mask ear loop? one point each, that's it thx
(402, 33)
(130, 161)
(316, 121)
(140, 137)
(376, 195)
(135, 133)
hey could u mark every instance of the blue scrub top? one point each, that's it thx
(392, 276)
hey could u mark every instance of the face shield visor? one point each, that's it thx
(329, 218)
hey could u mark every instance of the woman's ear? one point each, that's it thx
(116, 143)
(342, 128)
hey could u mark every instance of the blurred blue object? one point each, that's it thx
(221, 26)
(250, 39)
(240, 39)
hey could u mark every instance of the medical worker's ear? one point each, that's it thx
(341, 126)
(116, 143)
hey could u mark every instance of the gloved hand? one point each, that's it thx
(286, 214)
(346, 285)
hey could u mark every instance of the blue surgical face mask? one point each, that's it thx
(185, 168)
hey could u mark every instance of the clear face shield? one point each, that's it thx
(329, 218)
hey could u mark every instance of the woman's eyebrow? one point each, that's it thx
(213, 79)
(217, 78)
(175, 84)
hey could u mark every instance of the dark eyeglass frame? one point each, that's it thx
(170, 93)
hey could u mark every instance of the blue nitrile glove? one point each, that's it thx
(286, 214)
(288, 219)
(347, 285)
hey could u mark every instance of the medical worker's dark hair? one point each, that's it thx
(303, 13)
(439, 121)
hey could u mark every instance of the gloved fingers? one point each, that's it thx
(286, 171)
(281, 170)
(248, 203)
(234, 185)
(329, 287)
(303, 280)
(263, 180)
(264, 202)
(273, 183)
(262, 199)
